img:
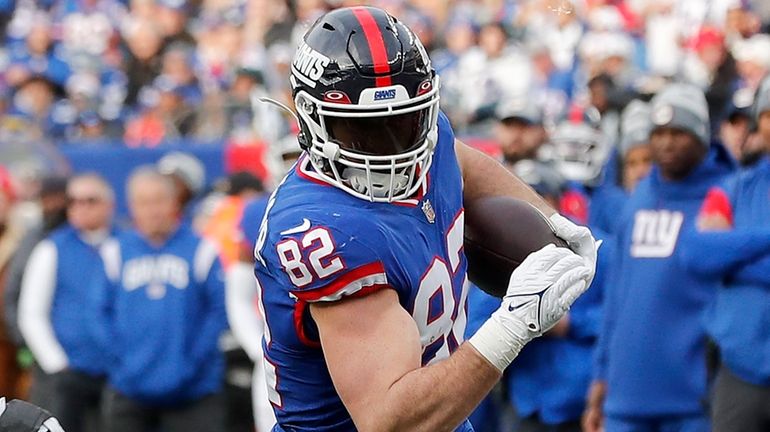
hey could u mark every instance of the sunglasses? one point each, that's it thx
(87, 201)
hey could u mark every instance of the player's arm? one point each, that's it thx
(375, 362)
(375, 365)
(483, 176)
(738, 246)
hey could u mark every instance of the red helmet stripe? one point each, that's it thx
(376, 45)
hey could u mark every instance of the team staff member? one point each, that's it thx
(651, 361)
(163, 305)
(54, 291)
(738, 321)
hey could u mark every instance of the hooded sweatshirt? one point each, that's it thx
(652, 343)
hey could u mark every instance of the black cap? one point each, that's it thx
(53, 185)
(241, 181)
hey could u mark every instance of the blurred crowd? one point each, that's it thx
(145, 72)
(647, 120)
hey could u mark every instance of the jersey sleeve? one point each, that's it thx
(326, 262)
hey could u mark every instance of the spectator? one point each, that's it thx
(143, 42)
(172, 17)
(561, 32)
(166, 116)
(55, 290)
(520, 131)
(734, 218)
(753, 60)
(10, 235)
(219, 43)
(177, 64)
(460, 36)
(222, 229)
(484, 74)
(552, 88)
(246, 321)
(609, 99)
(33, 101)
(165, 368)
(712, 68)
(189, 177)
(86, 28)
(735, 126)
(37, 56)
(53, 205)
(651, 364)
(635, 126)
(740, 22)
(222, 226)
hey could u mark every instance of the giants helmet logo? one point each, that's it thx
(384, 94)
(309, 65)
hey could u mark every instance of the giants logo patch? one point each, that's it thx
(309, 65)
(655, 233)
(384, 94)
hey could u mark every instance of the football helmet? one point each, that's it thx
(20, 416)
(367, 103)
(579, 149)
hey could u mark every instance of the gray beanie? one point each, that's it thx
(682, 106)
(635, 125)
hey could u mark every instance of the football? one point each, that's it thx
(499, 234)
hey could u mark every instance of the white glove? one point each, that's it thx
(579, 239)
(540, 292)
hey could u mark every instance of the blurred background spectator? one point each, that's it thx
(163, 369)
(10, 236)
(54, 299)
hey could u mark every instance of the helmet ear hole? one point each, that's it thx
(304, 137)
(302, 140)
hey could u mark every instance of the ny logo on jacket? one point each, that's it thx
(655, 233)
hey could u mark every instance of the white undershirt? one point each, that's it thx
(248, 328)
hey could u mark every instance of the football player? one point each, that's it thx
(580, 153)
(359, 256)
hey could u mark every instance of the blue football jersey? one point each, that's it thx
(318, 243)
